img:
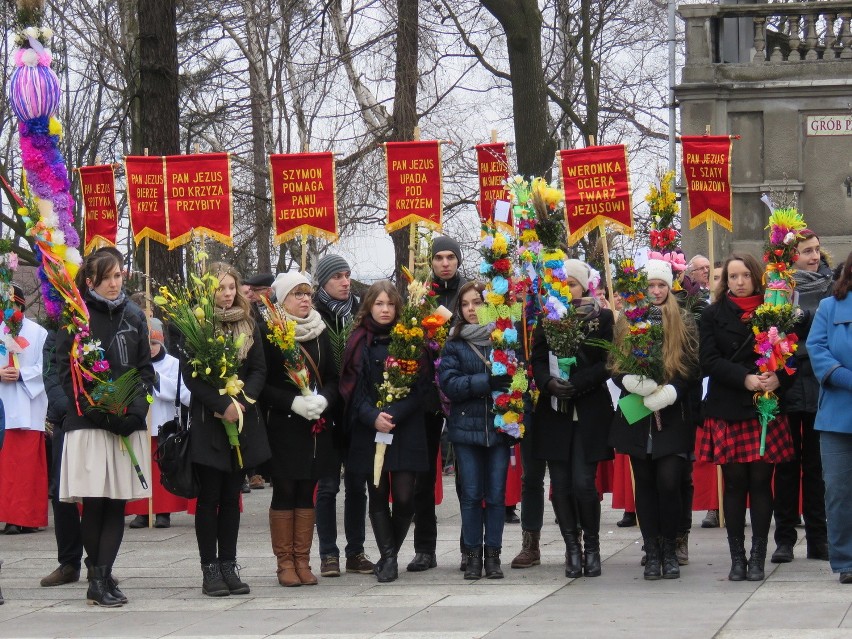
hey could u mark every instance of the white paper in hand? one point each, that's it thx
(384, 438)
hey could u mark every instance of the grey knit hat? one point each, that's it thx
(444, 243)
(329, 265)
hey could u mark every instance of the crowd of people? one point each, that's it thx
(308, 444)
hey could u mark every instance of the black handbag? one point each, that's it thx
(177, 474)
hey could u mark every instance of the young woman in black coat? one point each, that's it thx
(96, 469)
(731, 432)
(482, 452)
(217, 517)
(299, 430)
(572, 421)
(659, 445)
(363, 369)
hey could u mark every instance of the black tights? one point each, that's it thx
(288, 494)
(658, 498)
(753, 482)
(217, 513)
(102, 528)
(401, 486)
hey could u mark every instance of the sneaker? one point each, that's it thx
(256, 482)
(360, 564)
(64, 574)
(711, 520)
(330, 566)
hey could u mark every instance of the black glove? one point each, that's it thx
(128, 424)
(102, 420)
(499, 382)
(561, 388)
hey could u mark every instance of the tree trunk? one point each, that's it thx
(157, 126)
(405, 101)
(521, 20)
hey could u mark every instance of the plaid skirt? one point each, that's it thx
(724, 442)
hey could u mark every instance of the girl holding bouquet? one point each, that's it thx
(96, 466)
(732, 431)
(572, 421)
(660, 443)
(300, 393)
(400, 415)
(217, 464)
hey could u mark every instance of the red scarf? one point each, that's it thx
(747, 305)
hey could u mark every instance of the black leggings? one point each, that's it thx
(658, 498)
(753, 482)
(102, 528)
(288, 494)
(401, 486)
(217, 514)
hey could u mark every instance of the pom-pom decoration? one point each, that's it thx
(33, 90)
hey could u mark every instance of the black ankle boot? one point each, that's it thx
(98, 593)
(231, 577)
(653, 569)
(112, 586)
(492, 563)
(739, 565)
(473, 563)
(591, 555)
(670, 567)
(756, 560)
(573, 556)
(213, 584)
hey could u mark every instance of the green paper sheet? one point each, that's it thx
(633, 408)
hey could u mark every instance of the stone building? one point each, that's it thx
(780, 76)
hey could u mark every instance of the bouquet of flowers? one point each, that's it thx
(662, 202)
(282, 334)
(774, 319)
(500, 311)
(211, 352)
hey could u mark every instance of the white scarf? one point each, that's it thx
(307, 328)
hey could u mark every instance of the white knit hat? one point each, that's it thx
(286, 282)
(659, 270)
(579, 270)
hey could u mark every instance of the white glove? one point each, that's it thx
(659, 399)
(316, 405)
(302, 407)
(640, 385)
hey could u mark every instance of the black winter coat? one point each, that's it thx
(464, 380)
(727, 356)
(123, 332)
(57, 400)
(296, 452)
(408, 450)
(209, 444)
(551, 437)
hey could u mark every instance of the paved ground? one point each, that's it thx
(159, 573)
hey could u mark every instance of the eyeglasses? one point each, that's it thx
(300, 295)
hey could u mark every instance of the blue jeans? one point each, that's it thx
(483, 476)
(836, 452)
(354, 513)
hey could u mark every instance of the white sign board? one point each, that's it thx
(828, 125)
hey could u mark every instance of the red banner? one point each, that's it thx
(415, 189)
(100, 224)
(198, 197)
(707, 173)
(304, 195)
(493, 169)
(597, 189)
(146, 198)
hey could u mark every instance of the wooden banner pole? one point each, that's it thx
(148, 313)
(606, 267)
(304, 249)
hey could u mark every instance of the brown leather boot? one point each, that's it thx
(303, 538)
(281, 523)
(530, 554)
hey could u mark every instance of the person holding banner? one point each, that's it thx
(659, 444)
(96, 468)
(169, 380)
(731, 432)
(299, 427)
(572, 420)
(338, 305)
(406, 455)
(217, 515)
(23, 461)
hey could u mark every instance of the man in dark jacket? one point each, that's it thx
(337, 305)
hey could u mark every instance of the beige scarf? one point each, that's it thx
(307, 328)
(235, 322)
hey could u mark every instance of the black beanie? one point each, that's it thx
(444, 243)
